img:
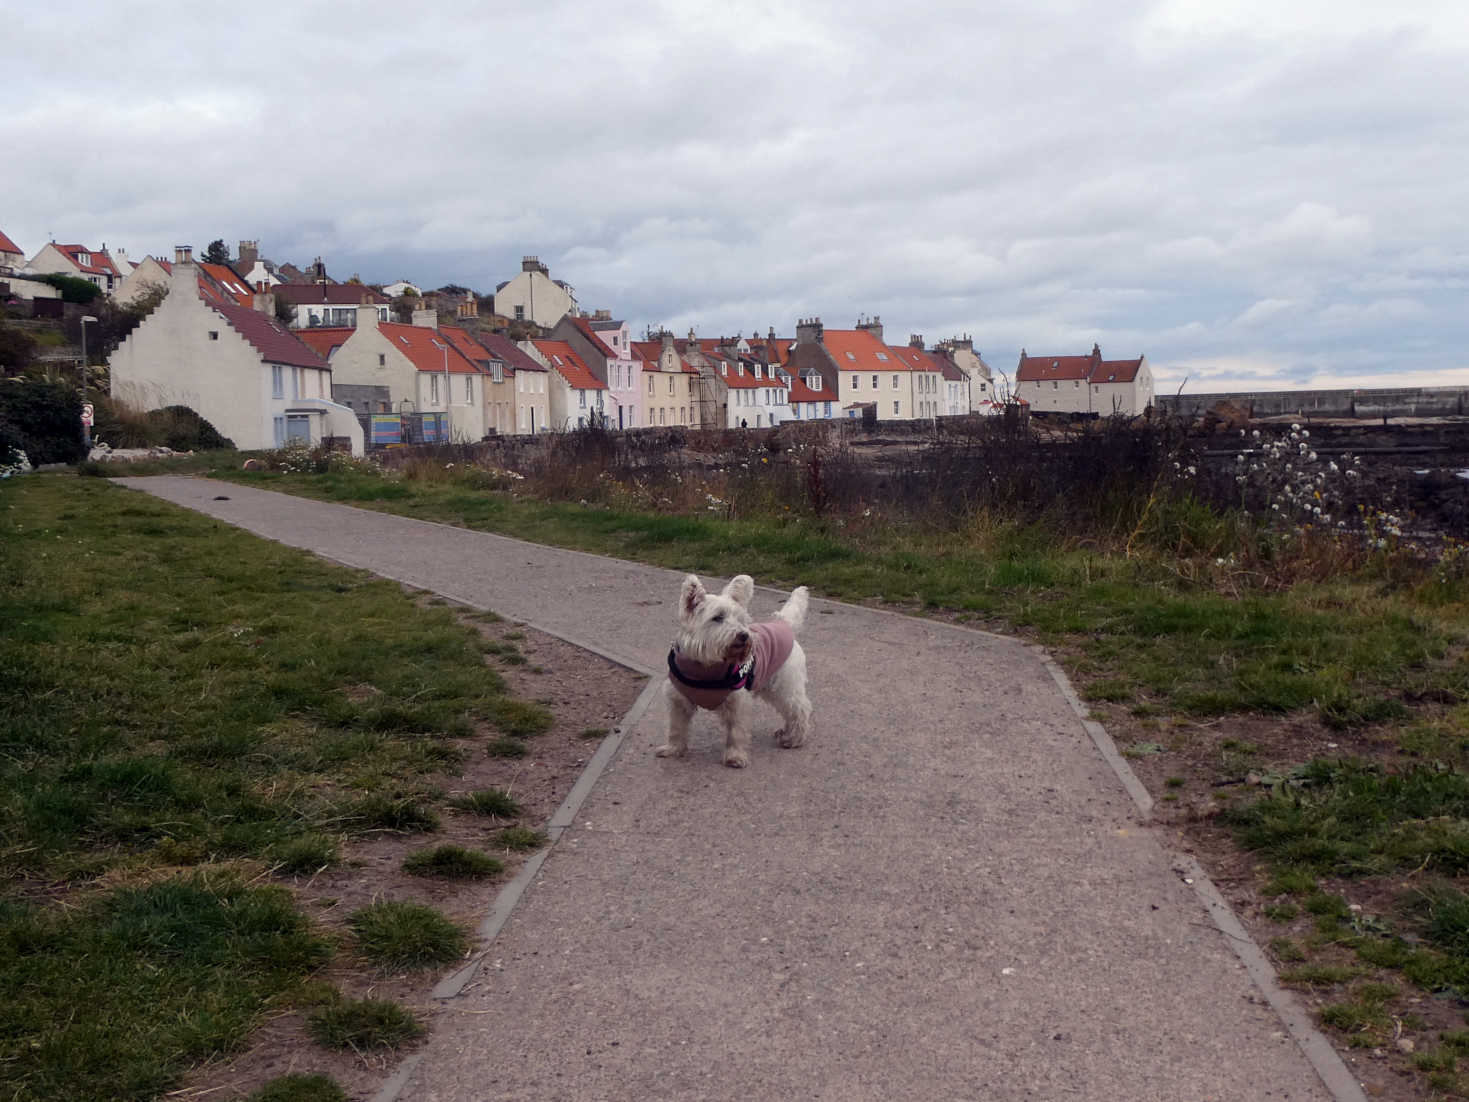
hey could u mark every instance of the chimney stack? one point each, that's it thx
(183, 254)
(264, 301)
(874, 326)
(915, 340)
(366, 315)
(426, 317)
(809, 330)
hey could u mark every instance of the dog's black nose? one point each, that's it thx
(743, 637)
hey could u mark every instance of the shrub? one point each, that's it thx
(44, 420)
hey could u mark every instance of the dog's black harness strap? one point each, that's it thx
(734, 678)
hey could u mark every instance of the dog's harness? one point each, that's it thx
(709, 686)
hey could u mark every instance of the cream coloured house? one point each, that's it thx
(1084, 386)
(518, 396)
(421, 369)
(236, 366)
(669, 384)
(534, 296)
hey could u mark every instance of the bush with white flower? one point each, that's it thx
(1285, 481)
(14, 462)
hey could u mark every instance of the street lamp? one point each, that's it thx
(86, 426)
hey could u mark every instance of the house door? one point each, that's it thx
(298, 428)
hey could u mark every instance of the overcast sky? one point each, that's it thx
(1260, 193)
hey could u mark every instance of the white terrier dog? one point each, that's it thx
(719, 655)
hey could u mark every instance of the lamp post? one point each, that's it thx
(86, 425)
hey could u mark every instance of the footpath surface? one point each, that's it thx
(948, 893)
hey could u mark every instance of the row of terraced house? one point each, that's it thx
(217, 345)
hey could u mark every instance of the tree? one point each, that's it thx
(217, 252)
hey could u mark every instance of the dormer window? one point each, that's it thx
(883, 356)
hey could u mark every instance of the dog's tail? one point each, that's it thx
(793, 611)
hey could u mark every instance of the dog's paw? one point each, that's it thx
(736, 759)
(790, 739)
(668, 750)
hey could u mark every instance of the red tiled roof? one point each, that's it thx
(467, 346)
(326, 339)
(860, 350)
(230, 281)
(916, 358)
(426, 349)
(7, 245)
(332, 294)
(511, 354)
(275, 343)
(1117, 371)
(1045, 368)
(101, 263)
(569, 365)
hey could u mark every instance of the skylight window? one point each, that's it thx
(883, 356)
(851, 357)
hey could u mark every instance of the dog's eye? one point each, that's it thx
(718, 619)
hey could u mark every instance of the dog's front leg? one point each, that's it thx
(736, 715)
(680, 714)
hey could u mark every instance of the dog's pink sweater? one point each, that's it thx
(772, 644)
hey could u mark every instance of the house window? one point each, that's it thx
(724, 369)
(650, 386)
(433, 389)
(883, 356)
(828, 409)
(1055, 385)
(856, 382)
(214, 334)
(851, 357)
(895, 408)
(295, 382)
(298, 429)
(280, 429)
(759, 420)
(582, 394)
(895, 382)
(277, 383)
(469, 390)
(520, 313)
(497, 372)
(382, 359)
(670, 384)
(981, 388)
(874, 382)
(662, 412)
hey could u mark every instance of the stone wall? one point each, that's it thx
(1444, 401)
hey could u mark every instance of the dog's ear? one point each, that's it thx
(740, 589)
(690, 597)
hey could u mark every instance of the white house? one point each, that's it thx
(810, 399)
(534, 296)
(329, 304)
(421, 368)
(12, 260)
(78, 261)
(576, 394)
(236, 366)
(1084, 385)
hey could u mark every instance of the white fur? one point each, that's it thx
(714, 628)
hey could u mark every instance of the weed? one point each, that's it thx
(488, 801)
(299, 1088)
(593, 733)
(361, 1024)
(452, 863)
(521, 838)
(396, 935)
(1286, 950)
